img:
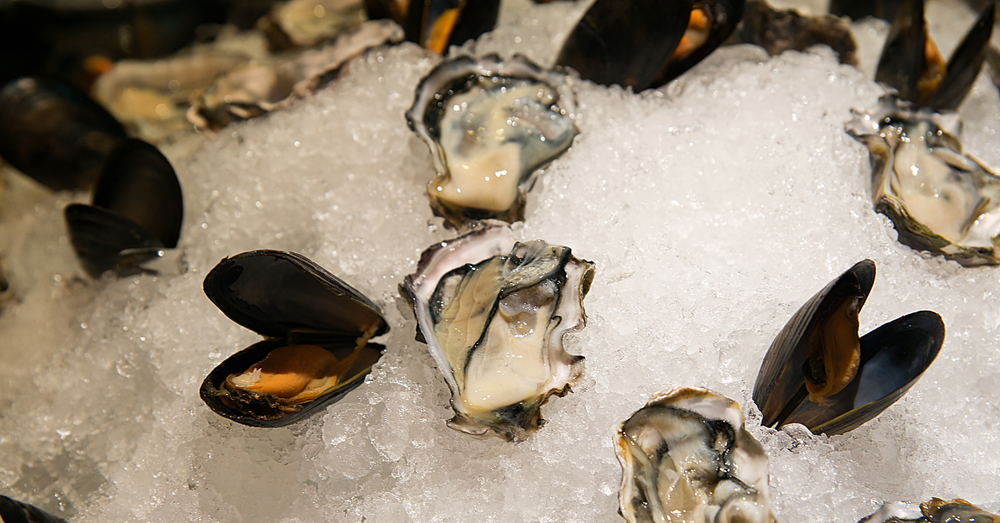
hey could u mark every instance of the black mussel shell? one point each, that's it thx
(137, 211)
(858, 9)
(438, 24)
(904, 63)
(632, 43)
(55, 133)
(889, 360)
(290, 300)
(12, 511)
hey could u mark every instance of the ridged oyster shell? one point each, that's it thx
(687, 457)
(493, 313)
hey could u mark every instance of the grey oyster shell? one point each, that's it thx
(490, 125)
(687, 457)
(939, 199)
(493, 313)
(936, 510)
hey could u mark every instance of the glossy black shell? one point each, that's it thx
(137, 210)
(290, 300)
(12, 511)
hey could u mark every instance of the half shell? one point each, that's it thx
(936, 510)
(493, 313)
(317, 331)
(490, 125)
(687, 457)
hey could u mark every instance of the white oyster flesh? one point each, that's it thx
(939, 199)
(491, 125)
(493, 313)
(687, 457)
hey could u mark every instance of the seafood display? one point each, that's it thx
(317, 330)
(136, 212)
(646, 43)
(687, 457)
(493, 314)
(819, 373)
(939, 199)
(912, 65)
(491, 125)
(936, 510)
(55, 134)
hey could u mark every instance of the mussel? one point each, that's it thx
(136, 212)
(437, 24)
(12, 511)
(490, 124)
(646, 43)
(939, 199)
(316, 328)
(493, 313)
(936, 510)
(817, 371)
(912, 65)
(686, 457)
(55, 133)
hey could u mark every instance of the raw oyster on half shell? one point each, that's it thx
(936, 510)
(491, 125)
(493, 313)
(687, 457)
(939, 199)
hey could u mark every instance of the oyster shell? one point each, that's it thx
(936, 510)
(317, 331)
(493, 313)
(817, 371)
(490, 125)
(939, 199)
(687, 457)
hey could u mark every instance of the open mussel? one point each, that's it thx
(646, 43)
(817, 371)
(316, 349)
(490, 124)
(493, 313)
(12, 511)
(912, 65)
(936, 510)
(939, 199)
(55, 133)
(136, 212)
(438, 24)
(687, 457)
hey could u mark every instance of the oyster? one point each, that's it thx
(136, 212)
(817, 371)
(301, 24)
(779, 30)
(936, 510)
(912, 65)
(12, 511)
(938, 199)
(491, 125)
(55, 134)
(687, 457)
(493, 313)
(317, 331)
(646, 43)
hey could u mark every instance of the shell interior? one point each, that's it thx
(493, 314)
(490, 126)
(687, 457)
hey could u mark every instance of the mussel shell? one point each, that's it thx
(101, 237)
(55, 134)
(12, 511)
(780, 376)
(244, 359)
(429, 22)
(278, 294)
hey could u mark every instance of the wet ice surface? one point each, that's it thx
(713, 209)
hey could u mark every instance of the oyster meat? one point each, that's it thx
(317, 348)
(490, 125)
(936, 510)
(817, 371)
(939, 199)
(493, 313)
(687, 457)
